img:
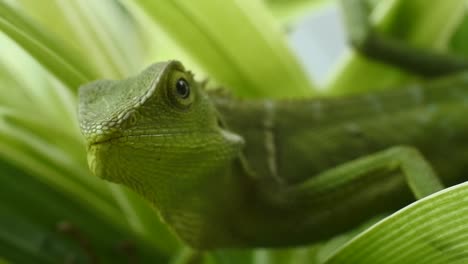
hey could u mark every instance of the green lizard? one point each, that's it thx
(226, 172)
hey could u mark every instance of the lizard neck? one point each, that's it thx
(207, 212)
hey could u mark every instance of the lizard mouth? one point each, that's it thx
(102, 140)
(149, 137)
(138, 137)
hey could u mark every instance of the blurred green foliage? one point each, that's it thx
(52, 210)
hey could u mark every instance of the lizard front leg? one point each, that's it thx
(344, 197)
(366, 40)
(418, 173)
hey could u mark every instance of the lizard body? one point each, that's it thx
(310, 136)
(225, 172)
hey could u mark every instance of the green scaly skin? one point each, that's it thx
(220, 170)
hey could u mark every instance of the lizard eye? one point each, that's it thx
(182, 88)
(180, 93)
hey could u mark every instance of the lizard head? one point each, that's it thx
(157, 133)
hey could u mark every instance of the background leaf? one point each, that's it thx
(290, 11)
(34, 212)
(415, 22)
(59, 59)
(201, 28)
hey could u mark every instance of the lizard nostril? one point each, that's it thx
(130, 118)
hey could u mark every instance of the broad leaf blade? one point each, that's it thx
(431, 230)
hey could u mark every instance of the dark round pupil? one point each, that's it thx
(183, 88)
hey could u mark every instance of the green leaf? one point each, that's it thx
(459, 42)
(420, 24)
(287, 256)
(42, 225)
(254, 61)
(60, 60)
(233, 256)
(289, 11)
(431, 230)
(100, 31)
